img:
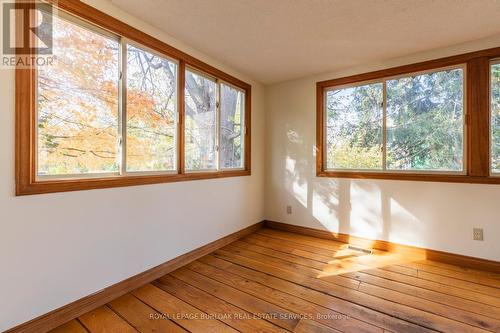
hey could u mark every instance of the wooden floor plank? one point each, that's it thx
(353, 310)
(280, 255)
(478, 288)
(297, 245)
(285, 247)
(473, 278)
(335, 266)
(406, 268)
(70, 327)
(308, 326)
(304, 249)
(306, 241)
(320, 242)
(402, 311)
(328, 247)
(461, 269)
(233, 316)
(397, 268)
(440, 309)
(276, 281)
(104, 320)
(185, 315)
(275, 314)
(435, 286)
(338, 280)
(458, 302)
(141, 316)
(337, 260)
(349, 295)
(294, 304)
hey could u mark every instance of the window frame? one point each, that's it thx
(477, 115)
(123, 114)
(218, 82)
(325, 146)
(106, 34)
(215, 80)
(383, 82)
(243, 126)
(27, 180)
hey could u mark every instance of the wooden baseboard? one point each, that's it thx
(444, 257)
(75, 309)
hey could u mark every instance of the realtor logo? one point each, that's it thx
(26, 33)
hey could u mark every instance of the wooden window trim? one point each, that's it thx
(25, 101)
(477, 136)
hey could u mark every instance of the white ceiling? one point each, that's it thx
(277, 40)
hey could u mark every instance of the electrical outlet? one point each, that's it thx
(478, 234)
(289, 210)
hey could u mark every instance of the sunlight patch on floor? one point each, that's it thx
(348, 261)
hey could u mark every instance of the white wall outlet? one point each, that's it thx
(289, 210)
(477, 234)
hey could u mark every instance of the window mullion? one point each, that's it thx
(123, 107)
(217, 124)
(181, 110)
(477, 109)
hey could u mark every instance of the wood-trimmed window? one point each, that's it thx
(432, 121)
(118, 107)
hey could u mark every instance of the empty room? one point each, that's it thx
(205, 166)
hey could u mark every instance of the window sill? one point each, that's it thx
(53, 186)
(448, 178)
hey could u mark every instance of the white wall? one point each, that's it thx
(57, 248)
(432, 215)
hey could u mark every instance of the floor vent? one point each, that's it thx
(356, 248)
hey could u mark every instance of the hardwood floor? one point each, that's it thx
(275, 281)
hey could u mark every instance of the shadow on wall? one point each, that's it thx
(355, 207)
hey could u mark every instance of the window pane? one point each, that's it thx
(495, 118)
(151, 111)
(200, 123)
(231, 125)
(354, 127)
(425, 122)
(78, 103)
